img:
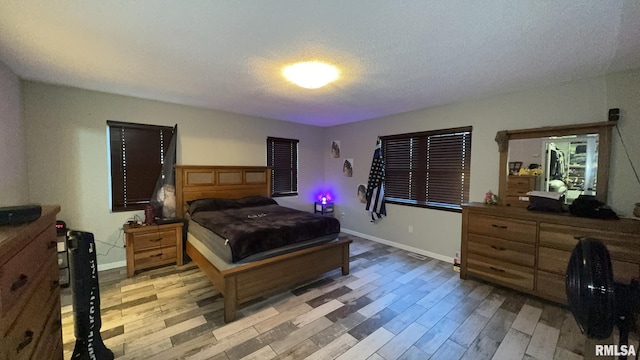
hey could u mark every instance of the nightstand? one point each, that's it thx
(324, 209)
(153, 245)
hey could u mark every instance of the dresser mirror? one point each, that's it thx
(569, 160)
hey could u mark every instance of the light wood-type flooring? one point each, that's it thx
(391, 306)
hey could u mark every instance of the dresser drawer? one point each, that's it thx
(17, 275)
(518, 190)
(552, 285)
(154, 257)
(621, 246)
(503, 228)
(488, 268)
(49, 346)
(23, 335)
(503, 250)
(556, 261)
(553, 260)
(153, 239)
(518, 201)
(521, 181)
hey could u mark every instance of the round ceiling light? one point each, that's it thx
(311, 74)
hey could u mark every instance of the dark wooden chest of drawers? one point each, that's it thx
(30, 322)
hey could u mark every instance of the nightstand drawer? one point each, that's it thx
(503, 228)
(153, 245)
(154, 257)
(154, 239)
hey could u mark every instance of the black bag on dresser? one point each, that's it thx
(590, 207)
(21, 214)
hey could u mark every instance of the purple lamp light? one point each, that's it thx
(324, 204)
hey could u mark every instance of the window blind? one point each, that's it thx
(137, 154)
(430, 169)
(282, 157)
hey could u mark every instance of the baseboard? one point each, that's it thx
(118, 264)
(113, 265)
(400, 246)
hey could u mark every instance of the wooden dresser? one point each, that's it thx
(517, 188)
(529, 250)
(153, 245)
(30, 322)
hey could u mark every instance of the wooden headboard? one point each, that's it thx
(206, 181)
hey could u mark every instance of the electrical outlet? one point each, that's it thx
(411, 229)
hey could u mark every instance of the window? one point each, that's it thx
(137, 154)
(282, 156)
(428, 169)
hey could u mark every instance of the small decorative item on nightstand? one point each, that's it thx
(323, 207)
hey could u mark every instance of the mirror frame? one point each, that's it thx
(603, 129)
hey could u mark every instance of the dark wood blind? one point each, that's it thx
(428, 168)
(282, 156)
(137, 153)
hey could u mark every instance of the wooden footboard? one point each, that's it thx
(249, 281)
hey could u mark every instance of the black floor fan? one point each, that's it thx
(86, 298)
(595, 300)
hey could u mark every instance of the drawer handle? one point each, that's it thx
(499, 226)
(156, 255)
(52, 244)
(498, 248)
(22, 281)
(496, 269)
(28, 338)
(156, 240)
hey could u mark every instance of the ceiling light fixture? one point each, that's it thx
(311, 74)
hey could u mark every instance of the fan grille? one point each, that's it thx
(590, 288)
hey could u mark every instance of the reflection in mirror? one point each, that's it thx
(563, 164)
(592, 143)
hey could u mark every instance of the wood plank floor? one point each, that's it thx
(391, 306)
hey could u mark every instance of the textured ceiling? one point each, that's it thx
(394, 56)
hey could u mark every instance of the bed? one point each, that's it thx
(244, 280)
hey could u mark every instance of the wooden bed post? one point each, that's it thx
(230, 299)
(345, 260)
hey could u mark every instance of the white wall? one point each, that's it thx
(438, 232)
(14, 185)
(527, 151)
(67, 155)
(623, 92)
(67, 152)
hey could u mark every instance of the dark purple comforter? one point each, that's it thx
(251, 230)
